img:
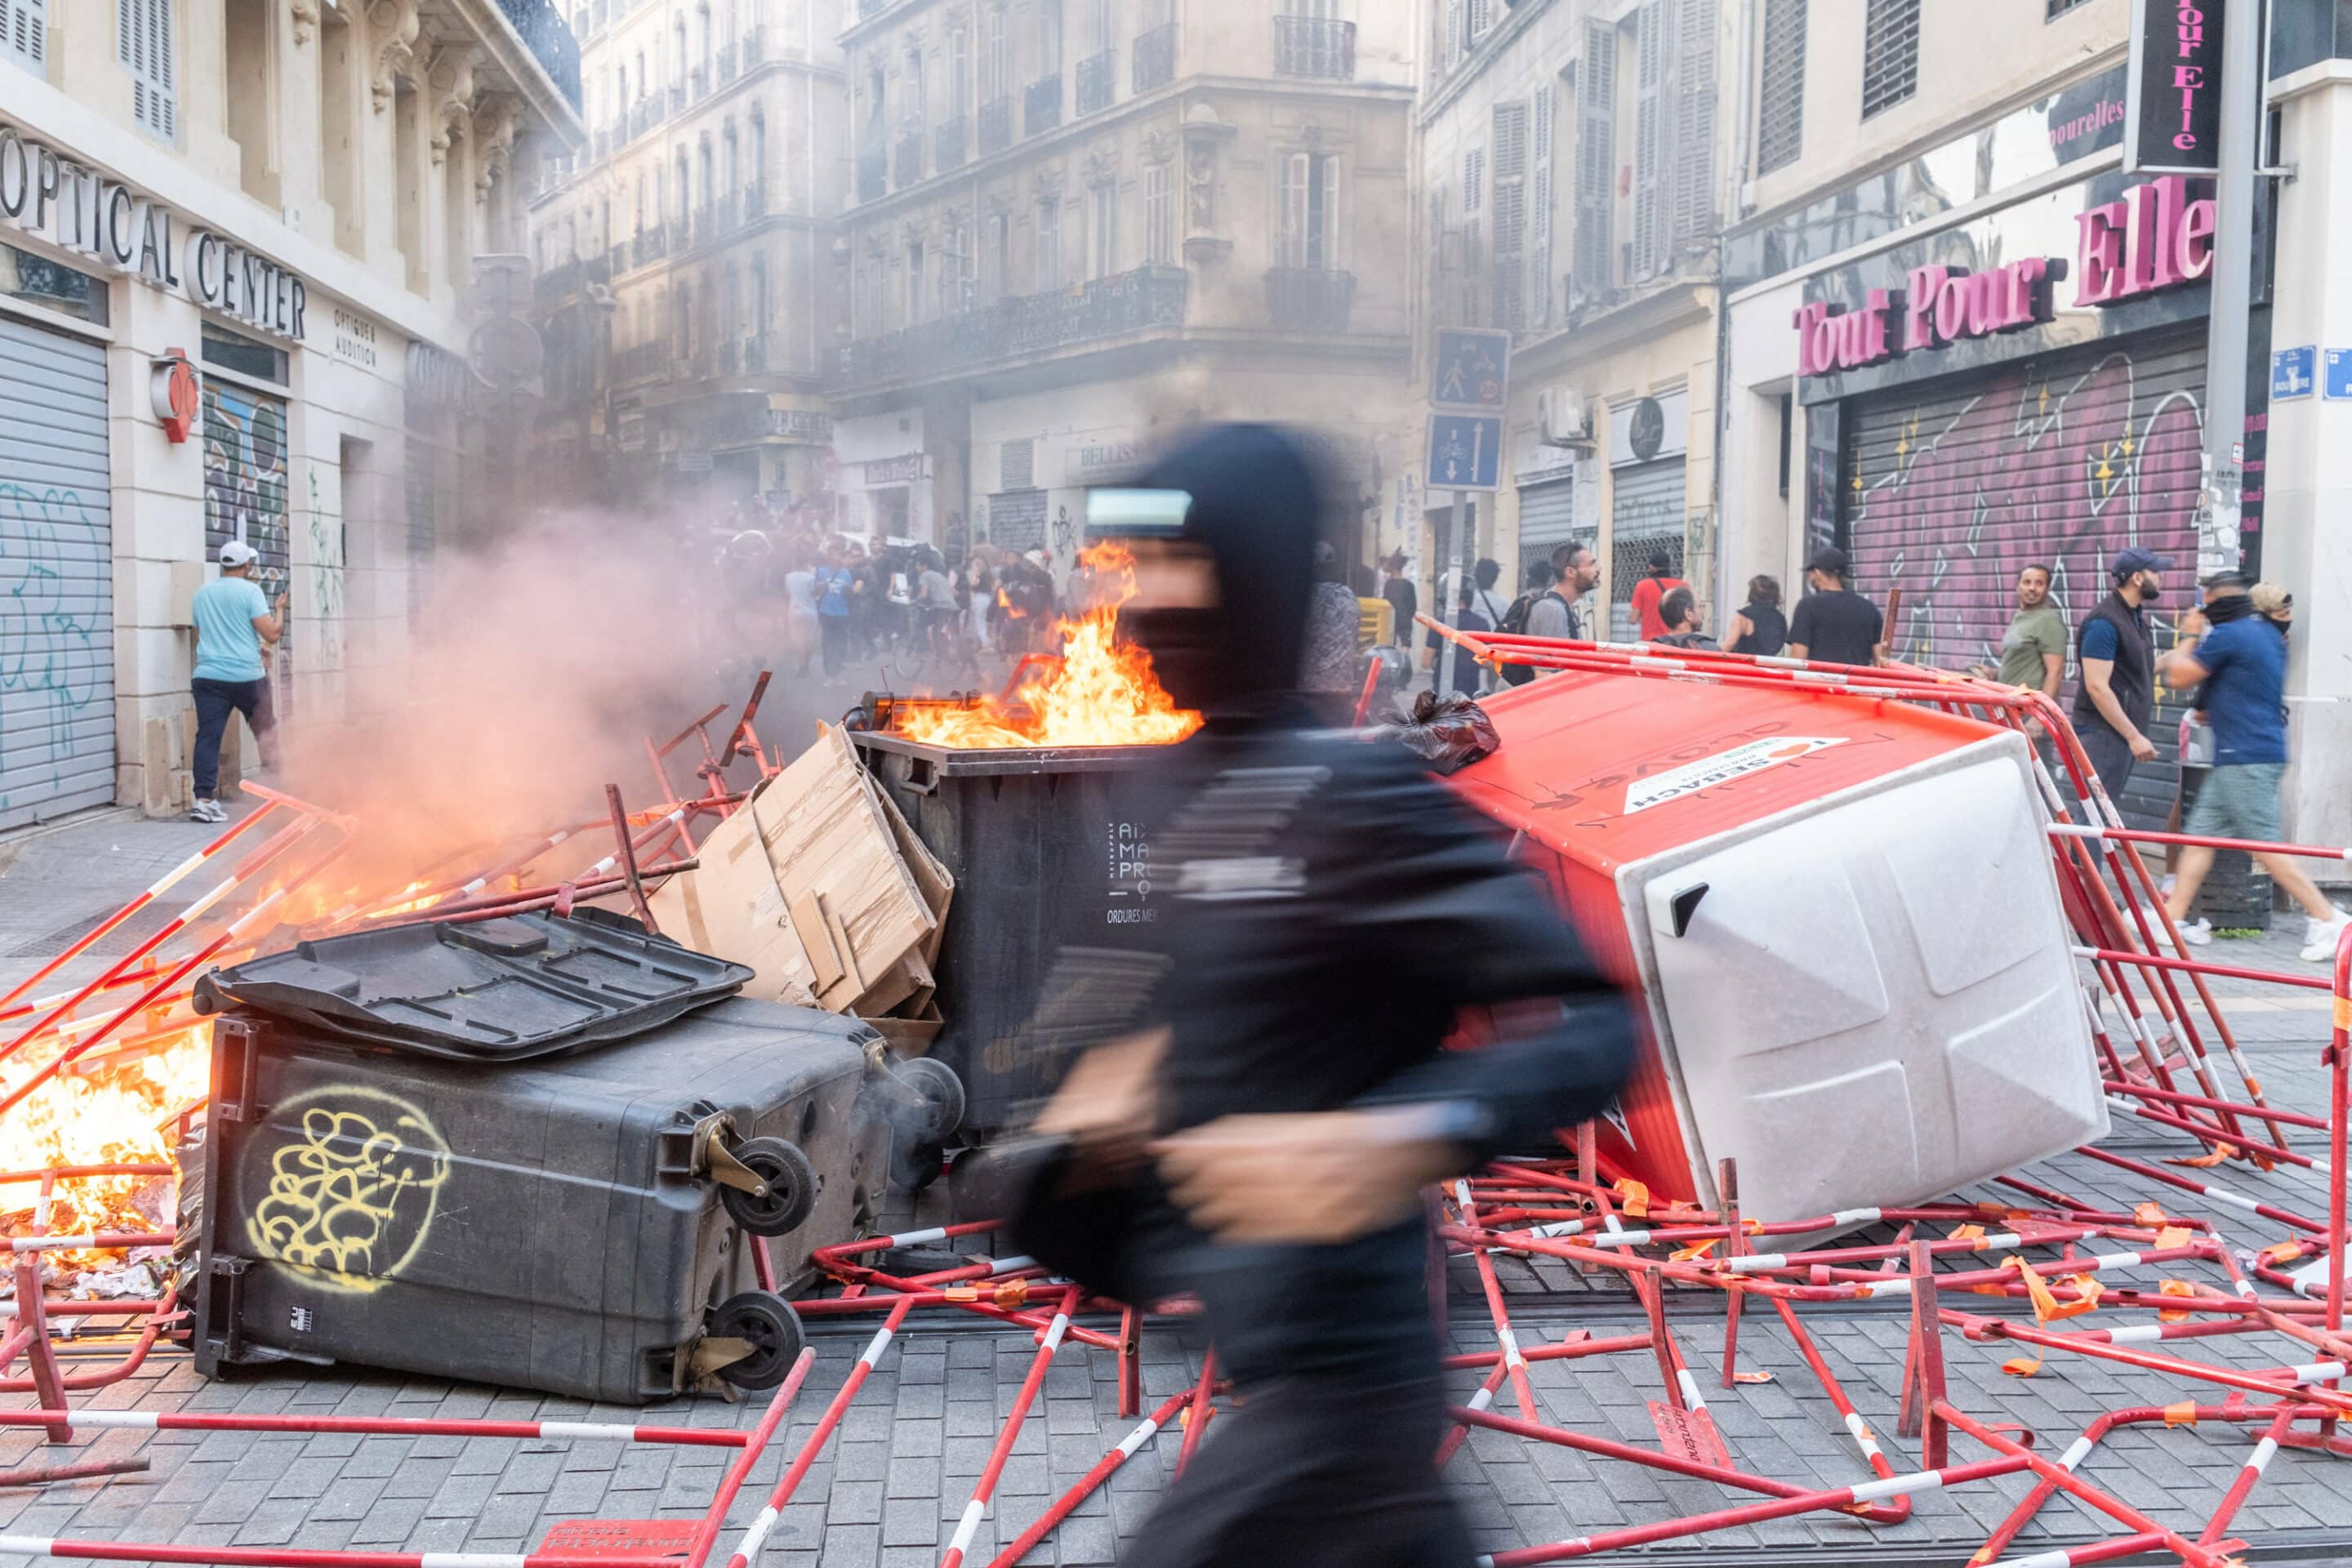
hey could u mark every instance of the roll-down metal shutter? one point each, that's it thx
(1951, 487)
(1546, 521)
(1646, 514)
(56, 577)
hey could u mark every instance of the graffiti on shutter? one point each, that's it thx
(245, 498)
(1017, 521)
(1951, 489)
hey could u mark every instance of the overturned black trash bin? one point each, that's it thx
(534, 1151)
(1051, 852)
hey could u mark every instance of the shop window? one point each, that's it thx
(1890, 54)
(1780, 111)
(246, 356)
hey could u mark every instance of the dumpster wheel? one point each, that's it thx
(790, 1181)
(769, 1330)
(942, 1093)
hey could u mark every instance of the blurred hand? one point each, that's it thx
(2143, 749)
(2194, 623)
(1106, 1105)
(1312, 1179)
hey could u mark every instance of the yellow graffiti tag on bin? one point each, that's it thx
(352, 1192)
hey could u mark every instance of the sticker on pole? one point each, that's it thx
(1739, 761)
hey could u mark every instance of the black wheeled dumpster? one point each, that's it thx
(581, 1221)
(1057, 904)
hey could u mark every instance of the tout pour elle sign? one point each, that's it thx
(2152, 239)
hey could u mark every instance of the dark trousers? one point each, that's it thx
(1313, 1471)
(2111, 759)
(833, 631)
(215, 701)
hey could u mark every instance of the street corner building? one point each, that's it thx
(242, 268)
(1965, 324)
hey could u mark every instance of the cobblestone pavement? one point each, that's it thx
(890, 1489)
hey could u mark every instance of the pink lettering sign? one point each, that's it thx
(2154, 238)
(1828, 341)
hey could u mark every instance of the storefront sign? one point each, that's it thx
(904, 470)
(1110, 454)
(2173, 118)
(354, 339)
(2154, 238)
(48, 194)
(799, 425)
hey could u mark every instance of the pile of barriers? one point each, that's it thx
(2051, 1275)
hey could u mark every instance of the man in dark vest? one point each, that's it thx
(2118, 654)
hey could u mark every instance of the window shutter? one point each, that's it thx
(24, 34)
(1650, 132)
(1780, 113)
(1017, 466)
(1293, 238)
(1473, 180)
(143, 44)
(1541, 261)
(1593, 248)
(1694, 99)
(1453, 32)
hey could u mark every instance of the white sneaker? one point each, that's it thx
(2321, 937)
(207, 811)
(2197, 934)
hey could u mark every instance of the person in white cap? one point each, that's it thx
(234, 620)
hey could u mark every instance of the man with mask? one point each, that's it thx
(2117, 655)
(2240, 661)
(1261, 1139)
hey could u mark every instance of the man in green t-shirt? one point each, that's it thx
(236, 624)
(2033, 652)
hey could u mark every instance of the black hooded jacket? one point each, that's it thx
(1335, 907)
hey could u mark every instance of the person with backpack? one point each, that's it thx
(1547, 609)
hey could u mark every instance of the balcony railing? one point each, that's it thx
(755, 353)
(1309, 300)
(678, 97)
(1041, 108)
(755, 200)
(906, 168)
(948, 144)
(755, 45)
(651, 244)
(1312, 47)
(643, 115)
(1107, 308)
(616, 260)
(1155, 58)
(1098, 82)
(698, 80)
(873, 175)
(995, 126)
(549, 37)
(557, 282)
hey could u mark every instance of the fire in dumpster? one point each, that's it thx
(1102, 693)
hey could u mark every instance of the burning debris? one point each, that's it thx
(1101, 690)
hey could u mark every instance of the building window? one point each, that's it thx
(878, 279)
(759, 297)
(996, 259)
(1049, 245)
(1310, 211)
(1510, 214)
(1780, 113)
(996, 56)
(2053, 9)
(1049, 39)
(1102, 26)
(1890, 54)
(915, 98)
(1482, 16)
(1106, 230)
(959, 73)
(1159, 213)
(146, 45)
(916, 275)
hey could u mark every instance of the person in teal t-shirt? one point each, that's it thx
(233, 621)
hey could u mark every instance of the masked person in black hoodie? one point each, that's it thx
(1261, 1138)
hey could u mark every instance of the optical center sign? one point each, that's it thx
(47, 195)
(2172, 110)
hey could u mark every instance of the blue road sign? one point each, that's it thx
(2340, 375)
(2293, 374)
(1465, 452)
(1472, 371)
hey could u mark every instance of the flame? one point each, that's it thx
(115, 1107)
(1103, 693)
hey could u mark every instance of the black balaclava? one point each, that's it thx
(1255, 508)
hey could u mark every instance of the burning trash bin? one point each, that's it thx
(1843, 914)
(537, 1152)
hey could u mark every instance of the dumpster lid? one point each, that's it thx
(494, 991)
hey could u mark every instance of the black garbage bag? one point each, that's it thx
(1448, 733)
